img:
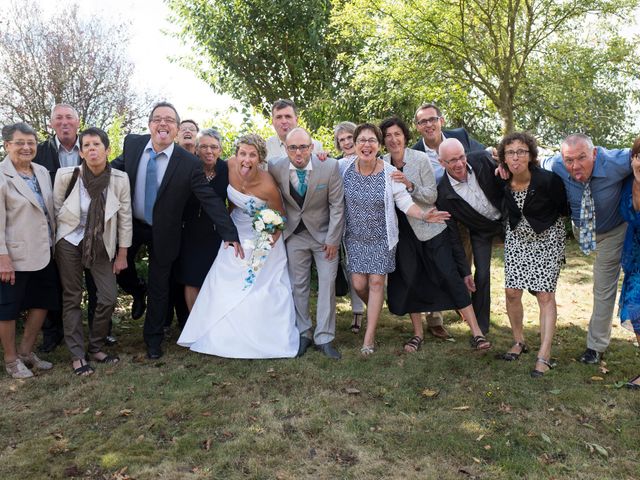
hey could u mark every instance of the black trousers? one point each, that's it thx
(481, 298)
(158, 284)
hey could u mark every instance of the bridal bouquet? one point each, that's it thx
(266, 222)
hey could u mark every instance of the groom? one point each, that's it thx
(313, 197)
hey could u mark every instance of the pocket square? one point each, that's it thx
(320, 186)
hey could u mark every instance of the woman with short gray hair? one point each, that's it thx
(200, 241)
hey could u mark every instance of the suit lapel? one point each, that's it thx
(138, 149)
(285, 181)
(20, 185)
(171, 168)
(44, 180)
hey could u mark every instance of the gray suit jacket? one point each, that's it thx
(418, 170)
(323, 209)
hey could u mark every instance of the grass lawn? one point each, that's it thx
(445, 412)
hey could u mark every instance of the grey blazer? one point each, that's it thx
(323, 208)
(418, 170)
(24, 230)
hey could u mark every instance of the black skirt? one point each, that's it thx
(200, 242)
(426, 278)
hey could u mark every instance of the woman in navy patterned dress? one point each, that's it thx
(371, 231)
(630, 295)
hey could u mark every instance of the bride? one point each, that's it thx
(237, 314)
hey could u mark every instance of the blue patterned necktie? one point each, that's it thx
(302, 182)
(587, 221)
(150, 187)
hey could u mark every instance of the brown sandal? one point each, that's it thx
(357, 323)
(479, 342)
(413, 344)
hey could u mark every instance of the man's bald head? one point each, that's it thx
(453, 158)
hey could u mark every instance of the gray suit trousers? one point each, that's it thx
(302, 248)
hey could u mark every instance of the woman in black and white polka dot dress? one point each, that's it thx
(535, 201)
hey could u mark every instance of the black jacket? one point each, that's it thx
(492, 186)
(47, 156)
(184, 176)
(469, 143)
(546, 200)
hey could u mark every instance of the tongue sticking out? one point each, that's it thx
(244, 170)
(163, 135)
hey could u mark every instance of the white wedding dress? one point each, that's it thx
(229, 320)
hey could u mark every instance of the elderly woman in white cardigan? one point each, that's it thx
(431, 273)
(93, 211)
(371, 230)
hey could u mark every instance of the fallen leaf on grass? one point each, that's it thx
(487, 447)
(352, 391)
(463, 407)
(545, 437)
(451, 339)
(480, 437)
(598, 448)
(604, 370)
(505, 407)
(125, 412)
(430, 393)
(477, 460)
(206, 414)
(98, 413)
(595, 378)
(588, 425)
(555, 391)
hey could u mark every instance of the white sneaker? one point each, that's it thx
(17, 369)
(33, 361)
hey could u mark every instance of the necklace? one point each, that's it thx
(375, 164)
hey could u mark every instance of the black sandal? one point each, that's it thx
(108, 359)
(357, 322)
(84, 370)
(511, 356)
(631, 384)
(479, 342)
(414, 343)
(535, 373)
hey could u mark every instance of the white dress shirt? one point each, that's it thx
(162, 161)
(68, 158)
(471, 193)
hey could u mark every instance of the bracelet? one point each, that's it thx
(413, 187)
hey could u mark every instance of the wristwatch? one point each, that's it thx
(413, 187)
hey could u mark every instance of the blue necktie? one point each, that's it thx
(150, 187)
(302, 182)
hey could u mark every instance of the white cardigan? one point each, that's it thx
(395, 194)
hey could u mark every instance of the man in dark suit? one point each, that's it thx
(162, 176)
(429, 123)
(62, 150)
(472, 193)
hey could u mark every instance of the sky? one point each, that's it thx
(150, 49)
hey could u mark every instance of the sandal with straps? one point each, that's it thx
(357, 323)
(535, 373)
(413, 344)
(479, 342)
(511, 356)
(367, 350)
(107, 359)
(84, 370)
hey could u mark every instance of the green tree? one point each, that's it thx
(263, 50)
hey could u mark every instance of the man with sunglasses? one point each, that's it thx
(313, 196)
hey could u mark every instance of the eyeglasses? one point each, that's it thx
(371, 141)
(168, 120)
(461, 158)
(303, 148)
(428, 121)
(209, 147)
(520, 153)
(22, 143)
(348, 138)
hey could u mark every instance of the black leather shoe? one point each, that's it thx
(329, 350)
(139, 306)
(49, 343)
(305, 343)
(154, 353)
(110, 340)
(591, 357)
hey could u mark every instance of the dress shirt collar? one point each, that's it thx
(455, 182)
(427, 148)
(167, 151)
(59, 145)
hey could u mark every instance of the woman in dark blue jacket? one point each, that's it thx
(535, 202)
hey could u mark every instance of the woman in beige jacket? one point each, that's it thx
(93, 211)
(28, 277)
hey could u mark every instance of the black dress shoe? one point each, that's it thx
(139, 306)
(305, 343)
(50, 343)
(591, 357)
(154, 353)
(110, 340)
(329, 350)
